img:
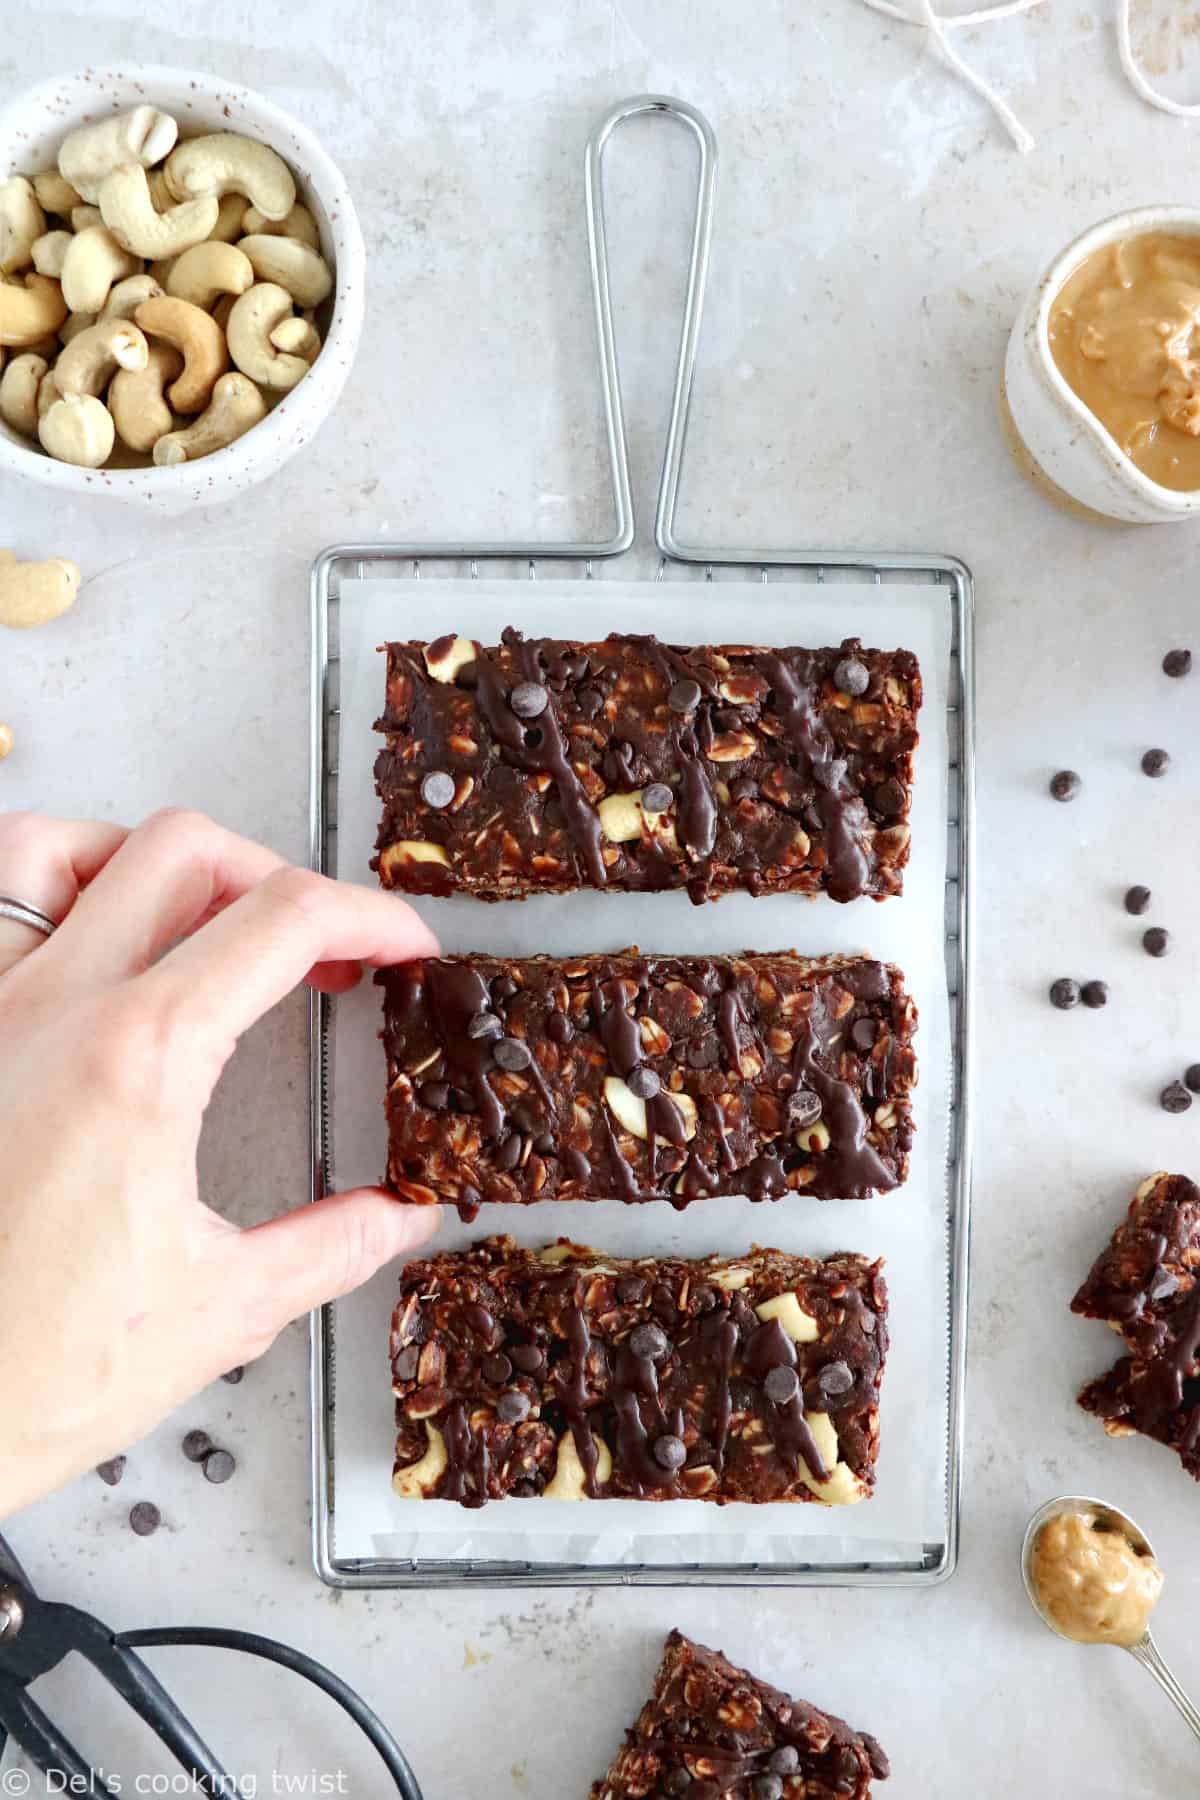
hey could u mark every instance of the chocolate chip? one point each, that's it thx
(196, 1445)
(233, 1376)
(643, 1082)
(529, 699)
(890, 798)
(434, 1094)
(437, 789)
(496, 1369)
(545, 1144)
(218, 1466)
(1177, 662)
(684, 697)
(677, 1782)
(404, 1366)
(509, 1153)
(670, 1452)
(851, 676)
(1065, 785)
(863, 1033)
(649, 1341)
(1137, 900)
(767, 1787)
(703, 1299)
(1191, 1077)
(630, 1290)
(1155, 763)
(657, 798)
(503, 988)
(836, 1378)
(559, 1028)
(1175, 1098)
(512, 1407)
(784, 1761)
(704, 1052)
(744, 788)
(781, 1385)
(1065, 993)
(1156, 941)
(590, 702)
(513, 1054)
(144, 1518)
(1094, 993)
(804, 1108)
(527, 1357)
(484, 1025)
(867, 1321)
(1161, 1284)
(881, 1768)
(110, 1472)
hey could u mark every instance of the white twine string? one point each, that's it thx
(1137, 80)
(937, 26)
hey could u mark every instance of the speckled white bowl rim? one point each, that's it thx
(71, 100)
(1182, 219)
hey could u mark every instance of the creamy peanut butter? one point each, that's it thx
(1093, 1583)
(1125, 333)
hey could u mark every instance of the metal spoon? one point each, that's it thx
(1145, 1651)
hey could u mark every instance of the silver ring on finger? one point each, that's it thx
(21, 913)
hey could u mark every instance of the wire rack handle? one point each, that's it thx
(693, 307)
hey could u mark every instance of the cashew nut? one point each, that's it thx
(30, 312)
(125, 298)
(292, 265)
(54, 194)
(92, 358)
(78, 429)
(48, 252)
(19, 391)
(254, 317)
(83, 217)
(129, 213)
(7, 740)
(136, 402)
(224, 162)
(223, 308)
(230, 225)
(34, 593)
(201, 341)
(236, 406)
(207, 271)
(21, 221)
(298, 337)
(143, 135)
(298, 224)
(75, 324)
(93, 262)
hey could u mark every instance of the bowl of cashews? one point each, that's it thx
(181, 287)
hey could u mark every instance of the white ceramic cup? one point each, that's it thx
(32, 128)
(1070, 451)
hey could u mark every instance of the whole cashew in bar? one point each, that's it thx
(125, 298)
(54, 194)
(143, 135)
(251, 323)
(94, 261)
(48, 253)
(201, 341)
(30, 312)
(236, 406)
(225, 162)
(21, 222)
(19, 392)
(206, 271)
(129, 213)
(291, 265)
(91, 359)
(33, 593)
(298, 224)
(78, 429)
(137, 402)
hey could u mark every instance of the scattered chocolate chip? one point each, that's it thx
(512, 1407)
(684, 697)
(1094, 993)
(767, 1787)
(434, 1094)
(890, 798)
(218, 1466)
(784, 1761)
(1065, 993)
(196, 1445)
(643, 1082)
(670, 1452)
(1065, 785)
(631, 1289)
(496, 1369)
(781, 1385)
(1177, 662)
(484, 1025)
(404, 1365)
(512, 1054)
(704, 1052)
(1155, 762)
(110, 1472)
(657, 798)
(650, 1341)
(1191, 1077)
(527, 1357)
(851, 676)
(233, 1376)
(529, 699)
(677, 1782)
(881, 1768)
(545, 1144)
(1161, 1284)
(559, 1028)
(1175, 1098)
(863, 1033)
(437, 789)
(1155, 942)
(503, 988)
(836, 1378)
(1137, 900)
(509, 1153)
(744, 788)
(144, 1518)
(590, 702)
(804, 1108)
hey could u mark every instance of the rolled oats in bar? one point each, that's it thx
(711, 1731)
(567, 1374)
(542, 766)
(634, 1077)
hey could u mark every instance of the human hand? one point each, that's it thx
(121, 1292)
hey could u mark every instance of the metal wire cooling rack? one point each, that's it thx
(936, 1561)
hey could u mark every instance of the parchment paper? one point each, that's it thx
(907, 1227)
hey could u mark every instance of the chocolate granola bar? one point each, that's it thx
(1146, 1285)
(711, 1731)
(566, 1374)
(637, 1077)
(542, 766)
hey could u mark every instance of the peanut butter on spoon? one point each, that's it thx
(1096, 1586)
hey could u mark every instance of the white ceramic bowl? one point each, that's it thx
(1065, 445)
(32, 128)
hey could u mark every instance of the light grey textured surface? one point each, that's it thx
(874, 233)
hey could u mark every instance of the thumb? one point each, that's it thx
(323, 1251)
